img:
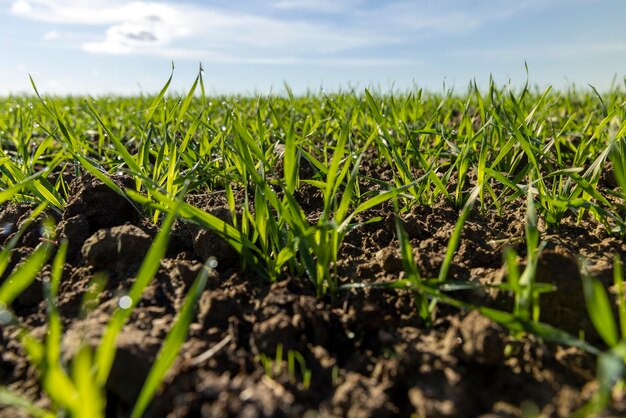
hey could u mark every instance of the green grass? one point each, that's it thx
(477, 150)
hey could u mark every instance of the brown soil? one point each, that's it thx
(368, 352)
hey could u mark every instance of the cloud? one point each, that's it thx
(87, 12)
(261, 33)
(572, 50)
(142, 33)
(152, 28)
(51, 35)
(21, 7)
(318, 6)
(443, 16)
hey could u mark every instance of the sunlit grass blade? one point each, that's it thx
(51, 289)
(190, 133)
(599, 309)
(159, 97)
(525, 298)
(455, 239)
(149, 266)
(376, 200)
(9, 192)
(174, 340)
(47, 193)
(233, 236)
(24, 274)
(60, 388)
(599, 96)
(91, 401)
(530, 227)
(119, 147)
(290, 163)
(8, 398)
(5, 254)
(548, 332)
(610, 370)
(187, 101)
(538, 104)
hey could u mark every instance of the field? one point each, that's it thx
(350, 254)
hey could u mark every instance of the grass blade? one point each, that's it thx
(9, 398)
(599, 309)
(24, 275)
(150, 265)
(618, 280)
(455, 239)
(159, 97)
(91, 402)
(172, 344)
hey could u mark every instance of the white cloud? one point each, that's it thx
(172, 29)
(156, 28)
(319, 6)
(89, 12)
(21, 7)
(51, 35)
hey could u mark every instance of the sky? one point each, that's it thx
(253, 47)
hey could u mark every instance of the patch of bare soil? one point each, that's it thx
(363, 353)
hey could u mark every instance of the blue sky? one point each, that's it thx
(253, 46)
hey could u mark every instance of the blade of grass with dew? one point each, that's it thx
(159, 97)
(191, 132)
(38, 185)
(52, 113)
(187, 101)
(119, 147)
(9, 192)
(172, 170)
(173, 341)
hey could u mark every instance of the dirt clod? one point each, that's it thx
(116, 248)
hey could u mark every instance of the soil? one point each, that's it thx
(368, 352)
